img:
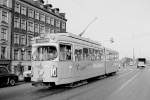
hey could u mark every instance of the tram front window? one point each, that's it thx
(44, 53)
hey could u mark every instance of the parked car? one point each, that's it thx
(27, 75)
(7, 78)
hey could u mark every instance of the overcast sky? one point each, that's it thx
(127, 21)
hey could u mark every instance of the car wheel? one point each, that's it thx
(12, 82)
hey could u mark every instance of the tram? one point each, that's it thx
(65, 58)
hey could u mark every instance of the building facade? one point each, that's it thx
(29, 19)
(5, 32)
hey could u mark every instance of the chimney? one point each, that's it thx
(56, 10)
(39, 2)
(48, 7)
(62, 15)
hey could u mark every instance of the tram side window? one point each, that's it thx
(101, 55)
(85, 54)
(107, 55)
(65, 52)
(97, 55)
(90, 54)
(78, 54)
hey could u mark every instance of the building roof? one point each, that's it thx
(36, 4)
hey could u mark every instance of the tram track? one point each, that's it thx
(27, 92)
(71, 93)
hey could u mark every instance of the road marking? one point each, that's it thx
(126, 83)
(125, 73)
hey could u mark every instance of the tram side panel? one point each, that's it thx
(44, 71)
(111, 64)
(89, 69)
(110, 67)
(66, 72)
(75, 71)
(87, 65)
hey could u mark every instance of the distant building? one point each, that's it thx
(29, 19)
(5, 32)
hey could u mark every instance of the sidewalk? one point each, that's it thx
(22, 82)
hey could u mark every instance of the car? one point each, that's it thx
(7, 78)
(27, 75)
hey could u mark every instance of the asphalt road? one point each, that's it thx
(127, 84)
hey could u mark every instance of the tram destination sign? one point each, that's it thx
(42, 40)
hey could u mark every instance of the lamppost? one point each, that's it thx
(20, 67)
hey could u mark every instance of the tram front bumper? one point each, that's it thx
(43, 84)
(39, 83)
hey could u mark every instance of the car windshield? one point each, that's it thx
(3, 70)
(44, 53)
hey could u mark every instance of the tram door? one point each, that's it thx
(65, 60)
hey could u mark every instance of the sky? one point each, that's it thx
(126, 21)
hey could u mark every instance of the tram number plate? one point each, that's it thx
(43, 40)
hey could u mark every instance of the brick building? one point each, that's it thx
(5, 32)
(29, 19)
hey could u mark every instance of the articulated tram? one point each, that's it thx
(64, 58)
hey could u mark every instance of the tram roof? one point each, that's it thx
(111, 50)
(71, 35)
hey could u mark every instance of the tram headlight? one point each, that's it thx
(54, 71)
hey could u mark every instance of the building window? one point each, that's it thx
(5, 16)
(47, 30)
(63, 25)
(23, 24)
(5, 2)
(23, 10)
(42, 17)
(47, 19)
(4, 33)
(22, 55)
(29, 40)
(37, 15)
(3, 52)
(31, 13)
(52, 30)
(17, 22)
(42, 29)
(16, 38)
(57, 30)
(36, 26)
(29, 55)
(30, 26)
(23, 40)
(17, 7)
(29, 67)
(57, 22)
(52, 21)
(16, 54)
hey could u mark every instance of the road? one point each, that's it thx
(127, 84)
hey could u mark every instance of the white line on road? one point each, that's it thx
(126, 83)
(124, 74)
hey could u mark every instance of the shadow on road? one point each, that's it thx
(18, 83)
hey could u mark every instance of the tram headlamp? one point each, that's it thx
(54, 71)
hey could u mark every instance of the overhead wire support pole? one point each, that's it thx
(133, 57)
(87, 26)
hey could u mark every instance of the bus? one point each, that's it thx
(66, 58)
(141, 62)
